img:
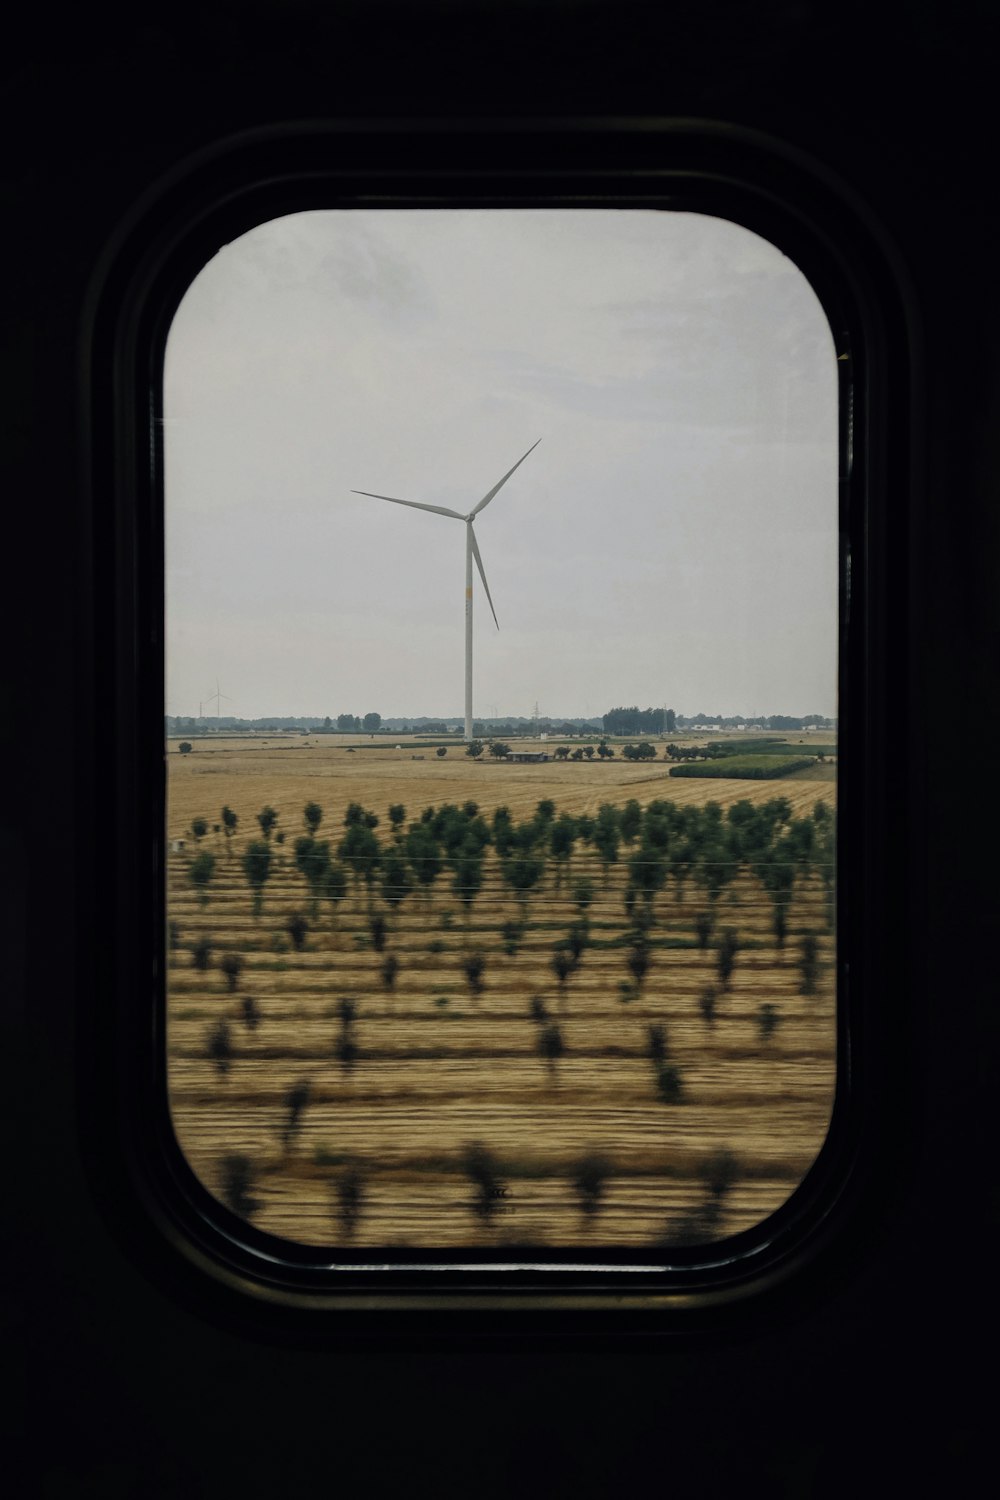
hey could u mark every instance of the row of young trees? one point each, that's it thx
(589, 1177)
(684, 843)
(661, 844)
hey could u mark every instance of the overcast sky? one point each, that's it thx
(672, 540)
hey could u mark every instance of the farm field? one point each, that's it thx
(641, 1089)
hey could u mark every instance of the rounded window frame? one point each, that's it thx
(689, 165)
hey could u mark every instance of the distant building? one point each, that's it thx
(528, 755)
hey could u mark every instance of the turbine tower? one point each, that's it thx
(471, 551)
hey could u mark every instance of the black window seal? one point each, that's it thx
(140, 1178)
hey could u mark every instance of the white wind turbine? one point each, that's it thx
(471, 551)
(216, 698)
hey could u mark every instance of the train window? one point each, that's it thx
(500, 907)
(505, 939)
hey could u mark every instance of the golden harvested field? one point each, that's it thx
(436, 1064)
(286, 773)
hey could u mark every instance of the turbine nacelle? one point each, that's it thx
(443, 510)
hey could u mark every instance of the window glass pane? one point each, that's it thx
(576, 990)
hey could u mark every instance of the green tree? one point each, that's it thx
(423, 854)
(229, 822)
(606, 835)
(511, 932)
(631, 820)
(503, 832)
(199, 828)
(378, 930)
(681, 863)
(563, 965)
(669, 1083)
(371, 722)
(647, 872)
(390, 968)
(726, 950)
(480, 1166)
(220, 1047)
(656, 1043)
(359, 848)
(334, 886)
(551, 1046)
(577, 938)
(267, 819)
(397, 882)
(474, 748)
(312, 857)
(257, 869)
(713, 869)
(200, 873)
(313, 814)
(251, 1013)
(297, 928)
(350, 1191)
(201, 953)
(637, 962)
(563, 833)
(767, 1020)
(185, 747)
(345, 1049)
(522, 872)
(808, 963)
(397, 817)
(237, 1181)
(231, 965)
(498, 749)
(473, 966)
(589, 1177)
(583, 894)
(296, 1100)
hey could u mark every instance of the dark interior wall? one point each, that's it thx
(863, 1383)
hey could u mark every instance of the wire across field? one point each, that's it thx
(593, 1100)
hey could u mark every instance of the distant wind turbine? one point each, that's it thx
(215, 698)
(471, 551)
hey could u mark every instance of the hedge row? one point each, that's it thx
(745, 767)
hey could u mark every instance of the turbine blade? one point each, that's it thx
(487, 498)
(438, 510)
(482, 573)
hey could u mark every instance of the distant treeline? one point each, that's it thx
(636, 720)
(176, 724)
(620, 721)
